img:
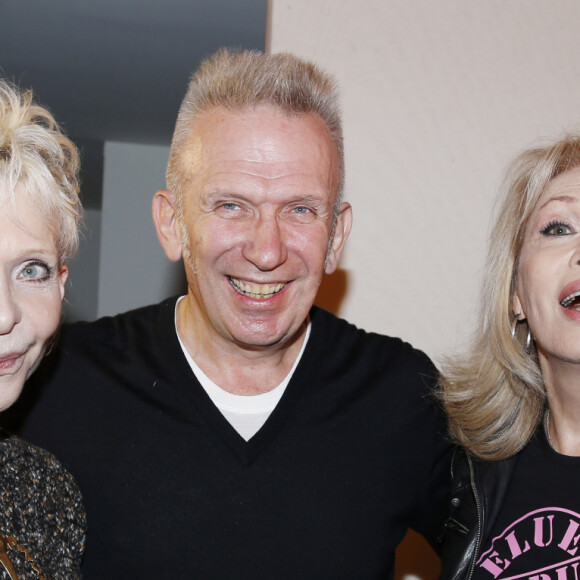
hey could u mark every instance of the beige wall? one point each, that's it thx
(438, 96)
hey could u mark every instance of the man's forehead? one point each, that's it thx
(254, 115)
(261, 134)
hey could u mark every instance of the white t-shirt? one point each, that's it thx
(246, 413)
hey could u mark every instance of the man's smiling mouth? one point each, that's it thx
(257, 291)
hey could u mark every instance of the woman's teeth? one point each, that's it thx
(570, 300)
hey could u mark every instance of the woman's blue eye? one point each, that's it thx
(35, 271)
(557, 229)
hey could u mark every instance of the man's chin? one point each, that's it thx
(263, 339)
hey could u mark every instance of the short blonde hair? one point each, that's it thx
(239, 80)
(35, 154)
(494, 393)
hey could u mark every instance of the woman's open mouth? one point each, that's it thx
(571, 301)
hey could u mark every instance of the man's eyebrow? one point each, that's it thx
(309, 197)
(222, 193)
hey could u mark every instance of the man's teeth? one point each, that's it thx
(259, 291)
(569, 299)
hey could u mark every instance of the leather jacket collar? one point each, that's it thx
(477, 493)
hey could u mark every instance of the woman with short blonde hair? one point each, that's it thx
(42, 526)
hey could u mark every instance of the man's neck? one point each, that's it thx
(235, 368)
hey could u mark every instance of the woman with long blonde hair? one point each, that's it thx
(513, 400)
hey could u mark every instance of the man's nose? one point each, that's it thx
(265, 246)
(10, 312)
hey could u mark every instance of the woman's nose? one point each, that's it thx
(575, 258)
(10, 312)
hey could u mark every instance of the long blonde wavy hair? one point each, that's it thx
(494, 393)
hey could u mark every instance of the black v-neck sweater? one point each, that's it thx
(353, 454)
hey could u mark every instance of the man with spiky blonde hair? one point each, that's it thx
(239, 431)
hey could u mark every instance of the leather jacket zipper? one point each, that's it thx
(479, 518)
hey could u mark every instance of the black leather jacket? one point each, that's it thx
(477, 492)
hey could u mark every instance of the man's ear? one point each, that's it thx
(341, 231)
(166, 226)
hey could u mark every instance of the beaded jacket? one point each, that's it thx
(42, 519)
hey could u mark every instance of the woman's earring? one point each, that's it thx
(529, 340)
(514, 326)
(529, 336)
